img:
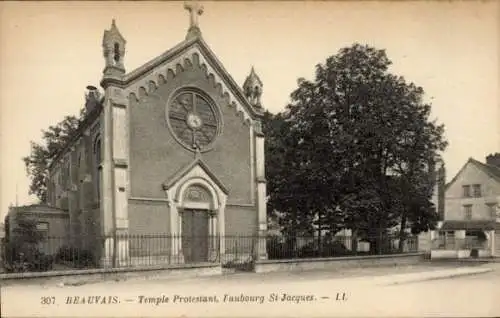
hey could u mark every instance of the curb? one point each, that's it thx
(440, 276)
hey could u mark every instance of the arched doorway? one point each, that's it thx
(197, 201)
(198, 224)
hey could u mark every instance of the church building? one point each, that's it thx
(169, 160)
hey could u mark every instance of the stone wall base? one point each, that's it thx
(458, 254)
(80, 277)
(337, 262)
(236, 258)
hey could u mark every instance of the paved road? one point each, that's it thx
(358, 293)
(474, 295)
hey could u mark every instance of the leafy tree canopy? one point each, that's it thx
(54, 139)
(354, 148)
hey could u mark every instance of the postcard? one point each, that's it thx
(250, 159)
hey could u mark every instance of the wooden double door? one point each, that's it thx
(195, 235)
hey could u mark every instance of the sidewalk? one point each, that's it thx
(433, 275)
(381, 275)
(467, 261)
(387, 275)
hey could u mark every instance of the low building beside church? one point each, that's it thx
(51, 223)
(169, 160)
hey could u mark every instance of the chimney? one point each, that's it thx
(441, 185)
(92, 99)
(493, 160)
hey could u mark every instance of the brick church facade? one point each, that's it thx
(172, 148)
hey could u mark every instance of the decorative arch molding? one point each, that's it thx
(196, 174)
(214, 202)
(192, 57)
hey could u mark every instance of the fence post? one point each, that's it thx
(492, 239)
(380, 243)
(262, 242)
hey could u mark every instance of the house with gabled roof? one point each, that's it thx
(471, 215)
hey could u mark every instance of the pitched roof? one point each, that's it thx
(37, 209)
(157, 61)
(37, 206)
(87, 122)
(490, 170)
(208, 54)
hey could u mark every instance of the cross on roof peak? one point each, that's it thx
(195, 9)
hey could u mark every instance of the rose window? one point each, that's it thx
(193, 119)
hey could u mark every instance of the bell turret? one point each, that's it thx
(252, 87)
(113, 44)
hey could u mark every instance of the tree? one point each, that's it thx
(26, 230)
(286, 196)
(54, 139)
(24, 240)
(355, 148)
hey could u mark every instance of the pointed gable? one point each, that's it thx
(197, 163)
(185, 101)
(489, 171)
(192, 50)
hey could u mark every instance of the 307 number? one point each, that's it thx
(47, 300)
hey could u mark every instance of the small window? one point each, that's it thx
(97, 159)
(468, 212)
(492, 210)
(477, 190)
(43, 229)
(42, 226)
(450, 234)
(466, 189)
(97, 151)
(67, 173)
(116, 52)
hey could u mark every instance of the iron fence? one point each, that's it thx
(336, 246)
(239, 251)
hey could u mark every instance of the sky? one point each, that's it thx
(50, 51)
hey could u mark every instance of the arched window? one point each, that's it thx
(97, 165)
(52, 191)
(116, 52)
(67, 173)
(79, 167)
